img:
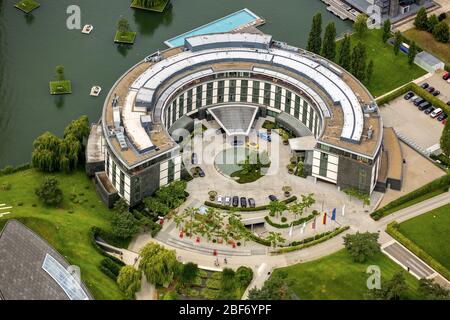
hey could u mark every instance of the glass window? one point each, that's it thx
(304, 112)
(267, 87)
(255, 92)
(278, 97)
(244, 90)
(297, 107)
(323, 164)
(209, 93)
(220, 91)
(189, 101)
(199, 96)
(232, 91)
(287, 102)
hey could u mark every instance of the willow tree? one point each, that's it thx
(129, 281)
(160, 265)
(45, 156)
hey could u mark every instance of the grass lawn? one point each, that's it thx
(66, 232)
(127, 37)
(158, 8)
(390, 71)
(337, 277)
(60, 87)
(431, 232)
(27, 5)
(426, 41)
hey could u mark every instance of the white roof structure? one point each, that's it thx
(306, 143)
(230, 39)
(235, 120)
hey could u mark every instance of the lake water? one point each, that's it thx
(30, 48)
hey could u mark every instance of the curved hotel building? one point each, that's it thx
(135, 150)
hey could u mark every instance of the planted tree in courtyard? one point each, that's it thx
(308, 200)
(441, 32)
(276, 207)
(329, 42)
(433, 21)
(360, 25)
(358, 65)
(160, 265)
(445, 139)
(421, 20)
(275, 238)
(345, 58)
(188, 273)
(386, 30)
(412, 53)
(362, 245)
(315, 35)
(397, 42)
(369, 72)
(129, 281)
(392, 289)
(49, 192)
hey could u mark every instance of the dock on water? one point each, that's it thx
(341, 9)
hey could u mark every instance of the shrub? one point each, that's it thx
(244, 276)
(440, 183)
(397, 93)
(295, 222)
(110, 268)
(6, 186)
(283, 219)
(49, 192)
(95, 232)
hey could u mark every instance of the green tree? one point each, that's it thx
(78, 128)
(442, 16)
(329, 42)
(386, 30)
(393, 289)
(369, 72)
(276, 207)
(421, 20)
(315, 35)
(432, 290)
(441, 32)
(123, 26)
(244, 276)
(275, 238)
(362, 245)
(160, 265)
(360, 25)
(59, 72)
(445, 139)
(412, 53)
(188, 273)
(432, 23)
(49, 192)
(397, 42)
(345, 58)
(124, 225)
(129, 281)
(273, 289)
(359, 57)
(45, 156)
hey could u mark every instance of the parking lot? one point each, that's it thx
(438, 83)
(408, 121)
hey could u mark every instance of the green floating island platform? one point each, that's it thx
(158, 5)
(125, 37)
(60, 87)
(27, 5)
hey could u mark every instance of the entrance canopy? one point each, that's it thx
(235, 120)
(303, 143)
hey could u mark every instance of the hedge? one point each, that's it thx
(445, 161)
(397, 93)
(311, 241)
(93, 233)
(110, 268)
(295, 222)
(259, 208)
(392, 229)
(440, 183)
(10, 169)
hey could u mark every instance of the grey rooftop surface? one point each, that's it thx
(22, 254)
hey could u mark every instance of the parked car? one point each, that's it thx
(430, 89)
(424, 85)
(219, 199)
(227, 200)
(436, 113)
(409, 95)
(442, 117)
(429, 110)
(235, 201)
(418, 101)
(251, 202)
(273, 198)
(448, 80)
(194, 159)
(424, 105)
(436, 93)
(243, 202)
(446, 76)
(201, 173)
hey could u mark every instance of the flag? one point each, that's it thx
(333, 214)
(291, 230)
(343, 210)
(302, 230)
(324, 219)
(314, 223)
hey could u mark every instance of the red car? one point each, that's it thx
(446, 76)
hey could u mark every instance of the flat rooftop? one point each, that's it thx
(147, 87)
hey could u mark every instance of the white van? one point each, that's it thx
(436, 112)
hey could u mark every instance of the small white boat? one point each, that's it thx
(95, 91)
(87, 29)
